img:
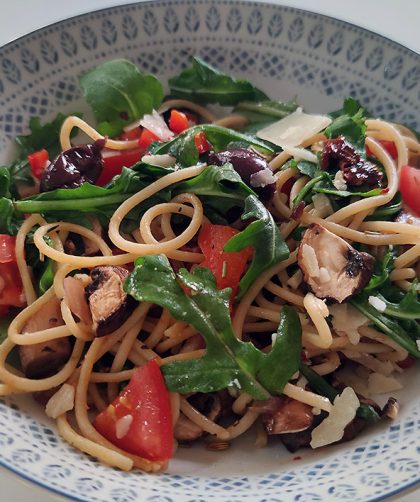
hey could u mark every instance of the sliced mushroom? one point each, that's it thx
(332, 268)
(44, 359)
(208, 405)
(287, 415)
(186, 430)
(391, 408)
(110, 306)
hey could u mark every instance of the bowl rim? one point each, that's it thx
(255, 3)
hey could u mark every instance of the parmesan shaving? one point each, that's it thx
(346, 320)
(311, 261)
(343, 411)
(322, 205)
(339, 181)
(294, 129)
(380, 384)
(164, 160)
(377, 303)
(61, 401)
(300, 153)
(324, 275)
(122, 426)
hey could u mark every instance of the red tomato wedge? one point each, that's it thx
(146, 139)
(410, 187)
(113, 164)
(139, 420)
(7, 248)
(11, 291)
(389, 146)
(228, 268)
(38, 162)
(178, 122)
(201, 142)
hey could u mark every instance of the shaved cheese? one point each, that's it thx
(380, 384)
(324, 275)
(294, 129)
(310, 259)
(347, 320)
(155, 123)
(350, 378)
(262, 178)
(377, 303)
(164, 160)
(331, 429)
(339, 182)
(300, 153)
(122, 426)
(322, 205)
(61, 401)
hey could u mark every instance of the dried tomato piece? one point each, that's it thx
(356, 170)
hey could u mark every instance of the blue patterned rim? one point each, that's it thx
(277, 46)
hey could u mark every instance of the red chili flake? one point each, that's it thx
(298, 457)
(384, 191)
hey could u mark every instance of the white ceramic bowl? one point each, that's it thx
(289, 53)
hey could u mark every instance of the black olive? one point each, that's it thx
(246, 163)
(73, 167)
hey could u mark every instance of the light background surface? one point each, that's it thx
(395, 19)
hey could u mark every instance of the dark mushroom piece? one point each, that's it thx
(282, 415)
(109, 304)
(186, 430)
(41, 360)
(391, 408)
(331, 268)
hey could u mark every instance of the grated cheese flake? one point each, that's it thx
(294, 129)
(61, 401)
(381, 384)
(377, 303)
(122, 426)
(343, 411)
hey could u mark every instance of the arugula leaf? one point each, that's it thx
(184, 149)
(204, 84)
(306, 168)
(347, 193)
(350, 123)
(41, 136)
(221, 189)
(264, 235)
(265, 112)
(388, 326)
(119, 93)
(321, 386)
(227, 360)
(408, 307)
(10, 220)
(388, 210)
(381, 271)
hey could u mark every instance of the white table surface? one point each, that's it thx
(396, 19)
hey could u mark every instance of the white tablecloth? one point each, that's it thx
(398, 20)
